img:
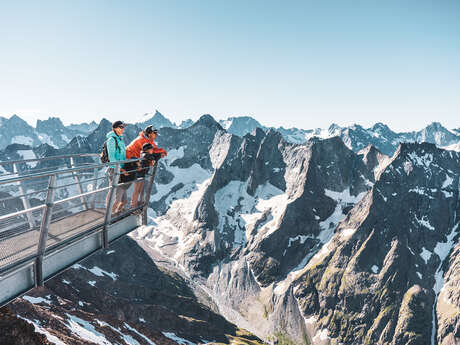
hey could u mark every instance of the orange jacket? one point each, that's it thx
(133, 150)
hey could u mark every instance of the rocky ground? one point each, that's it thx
(116, 297)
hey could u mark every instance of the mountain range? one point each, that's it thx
(356, 137)
(341, 236)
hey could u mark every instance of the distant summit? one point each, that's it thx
(156, 119)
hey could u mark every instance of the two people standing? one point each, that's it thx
(141, 147)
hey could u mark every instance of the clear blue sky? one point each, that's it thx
(292, 63)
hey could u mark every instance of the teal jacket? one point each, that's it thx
(115, 153)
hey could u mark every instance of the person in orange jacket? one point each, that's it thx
(134, 149)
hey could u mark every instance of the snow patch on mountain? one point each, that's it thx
(442, 249)
(36, 300)
(425, 254)
(177, 339)
(38, 329)
(342, 199)
(21, 139)
(28, 154)
(138, 333)
(86, 331)
(46, 139)
(447, 182)
(219, 149)
(128, 339)
(189, 178)
(97, 271)
(236, 208)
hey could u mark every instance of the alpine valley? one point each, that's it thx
(346, 235)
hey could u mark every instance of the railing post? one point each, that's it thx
(95, 186)
(147, 192)
(79, 186)
(25, 201)
(111, 200)
(44, 229)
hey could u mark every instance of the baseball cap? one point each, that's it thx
(150, 129)
(118, 124)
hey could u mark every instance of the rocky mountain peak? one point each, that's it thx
(436, 126)
(334, 128)
(17, 120)
(373, 159)
(45, 150)
(186, 123)
(105, 124)
(53, 122)
(207, 121)
(259, 132)
(407, 148)
(158, 120)
(379, 126)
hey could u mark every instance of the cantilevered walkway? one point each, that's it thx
(54, 212)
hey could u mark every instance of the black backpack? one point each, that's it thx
(104, 153)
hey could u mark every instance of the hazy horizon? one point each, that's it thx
(297, 64)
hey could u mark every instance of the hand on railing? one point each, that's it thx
(123, 171)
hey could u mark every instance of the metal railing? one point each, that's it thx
(43, 207)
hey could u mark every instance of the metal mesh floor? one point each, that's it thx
(25, 245)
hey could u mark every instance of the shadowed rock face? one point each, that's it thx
(373, 159)
(448, 303)
(327, 243)
(17, 331)
(377, 282)
(114, 292)
(265, 208)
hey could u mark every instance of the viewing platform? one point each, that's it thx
(54, 212)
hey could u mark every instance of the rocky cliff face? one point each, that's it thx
(374, 160)
(275, 233)
(16, 131)
(54, 133)
(117, 297)
(250, 215)
(379, 278)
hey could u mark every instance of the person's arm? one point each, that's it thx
(160, 151)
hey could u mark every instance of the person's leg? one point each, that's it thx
(123, 199)
(141, 191)
(118, 204)
(138, 198)
(135, 195)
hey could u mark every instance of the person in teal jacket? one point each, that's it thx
(116, 150)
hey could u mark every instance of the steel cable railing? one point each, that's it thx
(43, 209)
